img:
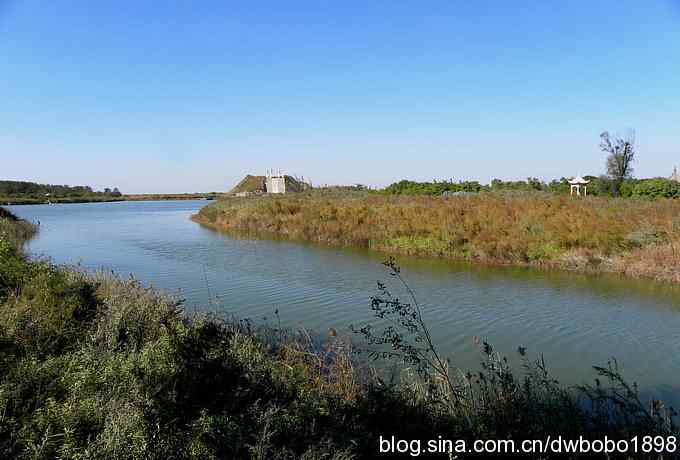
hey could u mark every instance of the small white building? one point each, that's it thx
(576, 183)
(275, 182)
(675, 177)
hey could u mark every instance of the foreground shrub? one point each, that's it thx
(136, 379)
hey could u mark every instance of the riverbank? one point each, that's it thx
(22, 200)
(96, 366)
(15, 231)
(172, 196)
(636, 238)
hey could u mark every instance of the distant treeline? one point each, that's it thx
(20, 192)
(20, 188)
(599, 186)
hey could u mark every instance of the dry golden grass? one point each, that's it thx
(633, 237)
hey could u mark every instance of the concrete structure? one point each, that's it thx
(675, 177)
(275, 182)
(576, 183)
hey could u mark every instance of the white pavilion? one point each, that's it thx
(576, 183)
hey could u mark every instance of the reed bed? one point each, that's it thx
(635, 237)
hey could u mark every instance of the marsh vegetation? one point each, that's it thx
(635, 237)
(97, 366)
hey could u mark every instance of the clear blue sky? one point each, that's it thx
(189, 96)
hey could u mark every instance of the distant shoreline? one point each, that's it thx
(17, 201)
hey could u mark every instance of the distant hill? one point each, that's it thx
(256, 184)
(250, 184)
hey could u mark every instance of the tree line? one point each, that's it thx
(599, 186)
(21, 188)
(617, 181)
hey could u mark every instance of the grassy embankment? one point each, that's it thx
(14, 231)
(94, 366)
(638, 238)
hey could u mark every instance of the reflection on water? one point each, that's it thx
(574, 320)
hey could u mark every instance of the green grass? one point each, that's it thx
(250, 184)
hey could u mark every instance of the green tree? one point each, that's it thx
(620, 152)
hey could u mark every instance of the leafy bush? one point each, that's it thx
(434, 188)
(657, 188)
(531, 184)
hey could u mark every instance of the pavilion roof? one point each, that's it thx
(578, 180)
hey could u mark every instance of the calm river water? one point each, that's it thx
(575, 321)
